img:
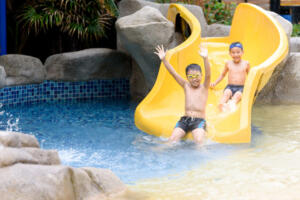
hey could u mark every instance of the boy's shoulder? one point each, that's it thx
(245, 62)
(227, 61)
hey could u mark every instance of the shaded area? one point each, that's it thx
(46, 43)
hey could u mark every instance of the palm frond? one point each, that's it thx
(84, 19)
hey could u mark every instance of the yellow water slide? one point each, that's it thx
(265, 46)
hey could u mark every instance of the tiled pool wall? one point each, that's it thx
(51, 91)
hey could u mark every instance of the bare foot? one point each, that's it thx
(223, 107)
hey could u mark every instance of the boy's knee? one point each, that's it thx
(227, 92)
(199, 135)
(177, 134)
(237, 95)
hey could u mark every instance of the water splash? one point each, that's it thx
(268, 168)
(103, 134)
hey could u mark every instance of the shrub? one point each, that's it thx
(215, 11)
(84, 19)
(218, 12)
(296, 30)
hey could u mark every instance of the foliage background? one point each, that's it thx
(44, 27)
(296, 30)
(215, 11)
(41, 28)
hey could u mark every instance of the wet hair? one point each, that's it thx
(193, 67)
(236, 44)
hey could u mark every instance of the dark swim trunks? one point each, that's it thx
(191, 123)
(235, 88)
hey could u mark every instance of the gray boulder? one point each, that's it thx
(2, 77)
(295, 44)
(21, 69)
(218, 30)
(23, 148)
(138, 85)
(266, 95)
(18, 140)
(110, 184)
(286, 88)
(88, 64)
(10, 156)
(16, 80)
(139, 34)
(128, 7)
(35, 182)
(30, 173)
(43, 156)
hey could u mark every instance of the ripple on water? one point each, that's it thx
(269, 169)
(102, 134)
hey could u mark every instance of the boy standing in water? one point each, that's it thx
(237, 72)
(195, 97)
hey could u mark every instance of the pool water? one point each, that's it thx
(102, 134)
(268, 170)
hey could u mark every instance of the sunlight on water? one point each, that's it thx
(103, 135)
(268, 169)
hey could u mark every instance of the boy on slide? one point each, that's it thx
(195, 97)
(237, 72)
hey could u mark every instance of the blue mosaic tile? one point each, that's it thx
(50, 91)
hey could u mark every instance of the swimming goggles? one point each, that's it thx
(193, 75)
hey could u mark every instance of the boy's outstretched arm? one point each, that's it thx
(162, 55)
(204, 54)
(223, 74)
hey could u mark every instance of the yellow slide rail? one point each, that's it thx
(265, 46)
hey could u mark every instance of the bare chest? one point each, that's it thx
(195, 95)
(237, 70)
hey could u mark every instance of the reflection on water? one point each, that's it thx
(268, 169)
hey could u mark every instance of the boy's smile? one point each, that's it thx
(236, 54)
(194, 77)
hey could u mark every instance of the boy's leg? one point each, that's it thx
(237, 97)
(226, 96)
(177, 134)
(198, 135)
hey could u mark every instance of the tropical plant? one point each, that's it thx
(216, 11)
(296, 30)
(85, 19)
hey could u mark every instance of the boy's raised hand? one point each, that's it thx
(160, 52)
(203, 52)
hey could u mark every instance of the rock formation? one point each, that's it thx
(30, 173)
